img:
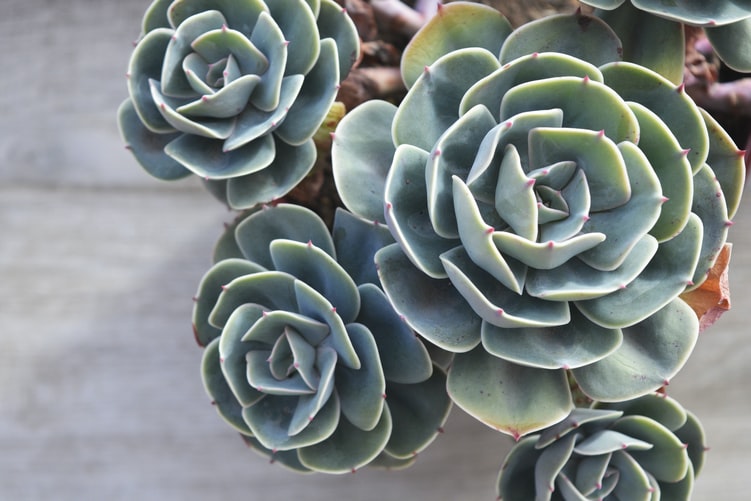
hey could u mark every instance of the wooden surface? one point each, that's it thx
(100, 396)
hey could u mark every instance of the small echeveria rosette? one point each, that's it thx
(646, 449)
(549, 206)
(304, 355)
(657, 23)
(233, 91)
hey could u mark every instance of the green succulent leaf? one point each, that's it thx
(316, 96)
(290, 222)
(242, 15)
(348, 448)
(656, 406)
(320, 271)
(489, 91)
(625, 226)
(578, 417)
(673, 106)
(418, 411)
(697, 12)
(156, 16)
(652, 352)
(726, 162)
(270, 420)
(692, 433)
(551, 347)
(494, 302)
(272, 289)
(455, 26)
(584, 37)
(404, 358)
(407, 214)
(356, 242)
(297, 22)
(209, 290)
(290, 166)
(288, 459)
(641, 32)
(335, 24)
(495, 392)
(667, 459)
(361, 390)
(551, 461)
(312, 303)
(145, 65)
(360, 162)
(586, 104)
(448, 159)
(666, 276)
(148, 147)
(232, 350)
(709, 204)
(219, 391)
(433, 103)
(435, 309)
(728, 40)
(516, 478)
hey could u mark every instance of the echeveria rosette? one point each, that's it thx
(646, 449)
(549, 208)
(233, 91)
(651, 23)
(304, 355)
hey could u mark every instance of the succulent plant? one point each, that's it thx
(651, 23)
(304, 355)
(233, 91)
(550, 202)
(647, 449)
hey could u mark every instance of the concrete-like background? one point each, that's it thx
(100, 396)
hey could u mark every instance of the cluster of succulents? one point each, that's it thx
(304, 355)
(234, 91)
(518, 235)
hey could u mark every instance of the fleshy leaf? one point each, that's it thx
(576, 344)
(361, 391)
(455, 26)
(403, 356)
(147, 146)
(219, 391)
(407, 214)
(360, 161)
(432, 307)
(641, 32)
(496, 393)
(285, 221)
(210, 288)
(652, 352)
(585, 37)
(348, 448)
(432, 104)
(419, 411)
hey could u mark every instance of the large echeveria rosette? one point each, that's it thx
(646, 449)
(304, 355)
(550, 205)
(233, 91)
(659, 23)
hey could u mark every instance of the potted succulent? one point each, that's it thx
(530, 222)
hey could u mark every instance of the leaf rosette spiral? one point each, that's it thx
(550, 202)
(233, 91)
(304, 355)
(646, 449)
